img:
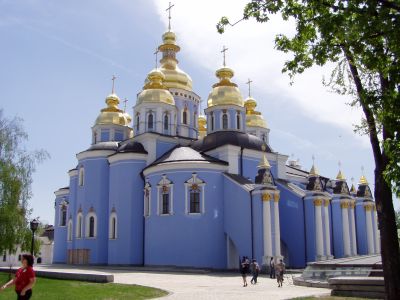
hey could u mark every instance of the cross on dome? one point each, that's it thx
(125, 101)
(170, 6)
(249, 84)
(113, 84)
(223, 51)
(156, 55)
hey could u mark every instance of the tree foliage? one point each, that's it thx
(16, 168)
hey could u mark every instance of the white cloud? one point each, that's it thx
(252, 54)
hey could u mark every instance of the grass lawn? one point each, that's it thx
(328, 298)
(54, 289)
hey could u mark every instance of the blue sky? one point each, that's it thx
(58, 57)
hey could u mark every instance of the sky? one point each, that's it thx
(57, 59)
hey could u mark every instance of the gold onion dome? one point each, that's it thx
(264, 164)
(202, 123)
(174, 76)
(112, 114)
(154, 89)
(363, 180)
(253, 118)
(340, 176)
(225, 92)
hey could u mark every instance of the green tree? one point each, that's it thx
(362, 38)
(16, 168)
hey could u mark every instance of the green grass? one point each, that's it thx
(54, 289)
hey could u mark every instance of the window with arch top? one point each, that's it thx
(184, 117)
(150, 121)
(69, 230)
(113, 226)
(194, 195)
(165, 196)
(79, 225)
(224, 120)
(91, 224)
(212, 122)
(137, 122)
(238, 120)
(166, 122)
(81, 178)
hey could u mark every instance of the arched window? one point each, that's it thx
(166, 122)
(113, 226)
(238, 121)
(63, 215)
(137, 122)
(225, 121)
(91, 225)
(69, 230)
(79, 226)
(184, 117)
(165, 206)
(81, 176)
(212, 122)
(194, 199)
(150, 122)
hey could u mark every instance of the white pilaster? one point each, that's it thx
(353, 230)
(369, 226)
(267, 227)
(277, 226)
(327, 230)
(346, 228)
(319, 237)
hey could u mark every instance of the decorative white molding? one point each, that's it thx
(87, 231)
(147, 200)
(186, 166)
(126, 156)
(73, 172)
(113, 216)
(165, 183)
(94, 154)
(188, 184)
(62, 192)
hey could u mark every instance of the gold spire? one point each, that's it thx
(313, 171)
(353, 188)
(170, 6)
(264, 163)
(340, 175)
(154, 89)
(363, 179)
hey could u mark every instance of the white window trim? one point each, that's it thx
(87, 225)
(147, 188)
(188, 184)
(153, 128)
(81, 179)
(69, 230)
(165, 182)
(79, 235)
(113, 215)
(61, 206)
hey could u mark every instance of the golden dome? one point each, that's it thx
(264, 164)
(174, 76)
(112, 114)
(313, 171)
(154, 89)
(253, 118)
(202, 123)
(363, 180)
(225, 92)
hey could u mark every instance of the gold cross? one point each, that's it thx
(249, 83)
(113, 84)
(224, 49)
(156, 54)
(170, 6)
(125, 101)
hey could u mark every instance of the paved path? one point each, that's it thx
(215, 286)
(205, 286)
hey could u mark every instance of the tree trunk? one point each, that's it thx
(388, 231)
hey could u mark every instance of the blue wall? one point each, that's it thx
(187, 240)
(127, 200)
(338, 250)
(362, 243)
(163, 147)
(60, 232)
(292, 226)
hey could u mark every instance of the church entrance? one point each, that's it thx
(78, 256)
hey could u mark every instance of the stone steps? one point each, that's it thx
(365, 287)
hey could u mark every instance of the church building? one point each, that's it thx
(174, 185)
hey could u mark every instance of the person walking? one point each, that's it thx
(272, 268)
(255, 269)
(280, 270)
(24, 279)
(244, 269)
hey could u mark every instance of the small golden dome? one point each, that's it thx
(202, 123)
(253, 118)
(353, 189)
(363, 180)
(174, 76)
(154, 89)
(112, 114)
(225, 92)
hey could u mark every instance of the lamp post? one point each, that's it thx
(34, 225)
